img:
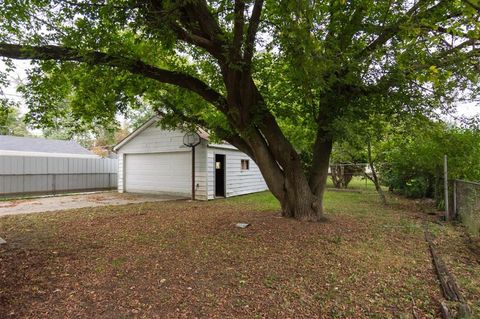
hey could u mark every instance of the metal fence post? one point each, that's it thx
(445, 177)
(455, 198)
(23, 175)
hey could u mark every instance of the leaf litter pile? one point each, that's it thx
(188, 260)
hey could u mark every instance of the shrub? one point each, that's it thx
(417, 187)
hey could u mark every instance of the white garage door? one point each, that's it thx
(158, 173)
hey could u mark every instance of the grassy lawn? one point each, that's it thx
(187, 260)
(357, 183)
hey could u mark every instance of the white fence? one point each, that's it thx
(29, 174)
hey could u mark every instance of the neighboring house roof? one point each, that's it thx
(16, 145)
(154, 119)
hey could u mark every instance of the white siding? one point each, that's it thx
(121, 172)
(154, 140)
(238, 181)
(201, 185)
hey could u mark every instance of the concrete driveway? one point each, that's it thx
(63, 202)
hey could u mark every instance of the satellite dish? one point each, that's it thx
(191, 139)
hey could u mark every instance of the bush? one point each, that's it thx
(414, 161)
(417, 187)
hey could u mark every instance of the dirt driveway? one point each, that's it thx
(53, 203)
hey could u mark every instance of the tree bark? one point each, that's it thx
(318, 174)
(282, 170)
(374, 177)
(300, 201)
(337, 177)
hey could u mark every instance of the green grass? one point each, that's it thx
(358, 201)
(263, 201)
(357, 183)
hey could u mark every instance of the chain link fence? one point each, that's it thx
(466, 205)
(342, 174)
(463, 203)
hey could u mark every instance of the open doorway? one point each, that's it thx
(219, 175)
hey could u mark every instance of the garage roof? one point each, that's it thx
(202, 133)
(17, 144)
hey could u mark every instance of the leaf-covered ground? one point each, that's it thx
(461, 254)
(187, 260)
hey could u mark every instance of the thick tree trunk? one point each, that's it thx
(283, 172)
(300, 202)
(287, 182)
(318, 174)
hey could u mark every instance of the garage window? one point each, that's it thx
(245, 164)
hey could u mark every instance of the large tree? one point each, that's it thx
(255, 73)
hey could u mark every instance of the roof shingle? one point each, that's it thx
(43, 145)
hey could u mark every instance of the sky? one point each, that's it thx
(19, 74)
(465, 109)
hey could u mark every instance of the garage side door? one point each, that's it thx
(158, 173)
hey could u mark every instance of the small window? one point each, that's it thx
(245, 164)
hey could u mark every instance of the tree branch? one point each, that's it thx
(238, 28)
(449, 32)
(195, 39)
(368, 177)
(471, 4)
(192, 24)
(232, 138)
(98, 5)
(251, 34)
(237, 141)
(441, 59)
(390, 31)
(199, 11)
(51, 52)
(348, 31)
(449, 57)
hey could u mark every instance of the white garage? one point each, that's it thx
(148, 173)
(154, 160)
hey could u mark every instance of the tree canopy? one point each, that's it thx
(413, 161)
(11, 122)
(273, 78)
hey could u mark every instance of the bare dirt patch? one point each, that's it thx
(72, 201)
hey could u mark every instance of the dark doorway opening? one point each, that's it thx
(219, 175)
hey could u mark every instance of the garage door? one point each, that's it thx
(158, 173)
